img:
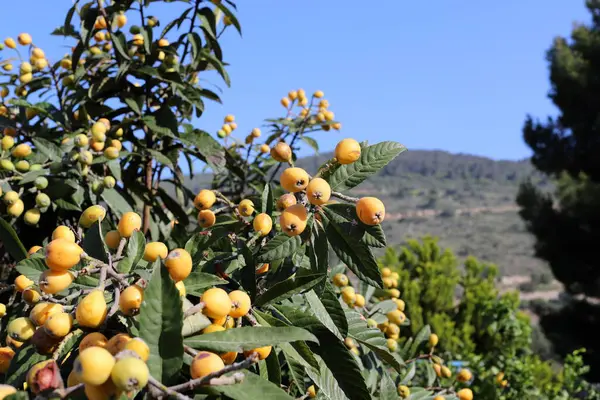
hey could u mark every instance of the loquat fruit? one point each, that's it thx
(294, 179)
(94, 365)
(205, 199)
(360, 301)
(285, 201)
(347, 151)
(179, 264)
(217, 303)
(181, 287)
(24, 39)
(318, 191)
(94, 339)
(392, 344)
(229, 357)
(465, 394)
(246, 207)
(20, 329)
(433, 339)
(213, 328)
(403, 391)
(6, 356)
(205, 363)
(281, 152)
(446, 373)
(240, 304)
(6, 390)
(263, 269)
(21, 150)
(91, 310)
(106, 391)
(464, 375)
(131, 299)
(58, 325)
(32, 216)
(340, 280)
(31, 296)
(63, 232)
(130, 373)
(61, 254)
(52, 282)
(370, 210)
(293, 220)
(264, 149)
(91, 215)
(154, 250)
(139, 347)
(206, 218)
(348, 295)
(263, 352)
(262, 224)
(129, 223)
(16, 209)
(22, 282)
(117, 343)
(112, 239)
(311, 392)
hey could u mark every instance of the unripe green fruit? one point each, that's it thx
(7, 165)
(7, 142)
(32, 216)
(20, 329)
(22, 166)
(97, 187)
(171, 60)
(35, 167)
(109, 182)
(134, 29)
(221, 133)
(42, 200)
(40, 182)
(86, 157)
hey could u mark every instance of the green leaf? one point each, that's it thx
(211, 151)
(194, 324)
(289, 287)
(325, 381)
(197, 281)
(387, 389)
(322, 314)
(311, 142)
(114, 167)
(32, 175)
(152, 124)
(248, 338)
(93, 243)
(267, 200)
(334, 309)
(371, 161)
(384, 307)
(160, 158)
(252, 387)
(24, 359)
(373, 339)
(49, 149)
(32, 267)
(232, 17)
(196, 42)
(11, 241)
(281, 246)
(273, 368)
(160, 325)
(295, 371)
(345, 215)
(355, 254)
(431, 375)
(318, 251)
(120, 44)
(421, 337)
(67, 205)
(133, 253)
(248, 278)
(117, 203)
(409, 374)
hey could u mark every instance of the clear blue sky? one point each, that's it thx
(452, 75)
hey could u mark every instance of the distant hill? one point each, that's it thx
(467, 201)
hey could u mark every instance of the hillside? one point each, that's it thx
(467, 201)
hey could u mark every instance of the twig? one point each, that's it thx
(190, 385)
(344, 197)
(121, 247)
(152, 381)
(193, 310)
(189, 350)
(421, 357)
(251, 319)
(115, 306)
(64, 393)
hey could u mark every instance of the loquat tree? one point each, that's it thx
(136, 287)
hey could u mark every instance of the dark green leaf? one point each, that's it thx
(252, 387)
(115, 169)
(409, 374)
(120, 44)
(11, 242)
(117, 203)
(421, 337)
(197, 281)
(67, 205)
(281, 246)
(133, 253)
(273, 368)
(249, 272)
(345, 216)
(23, 360)
(248, 338)
(32, 267)
(387, 389)
(32, 175)
(289, 287)
(49, 149)
(267, 200)
(326, 382)
(93, 243)
(311, 142)
(319, 310)
(160, 325)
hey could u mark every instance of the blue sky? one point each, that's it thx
(453, 75)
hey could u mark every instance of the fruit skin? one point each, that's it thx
(229, 357)
(94, 365)
(24, 39)
(465, 394)
(294, 179)
(205, 363)
(154, 250)
(213, 328)
(293, 220)
(246, 207)
(262, 224)
(264, 149)
(40, 313)
(10, 197)
(285, 201)
(206, 218)
(52, 282)
(433, 341)
(263, 352)
(130, 373)
(340, 280)
(281, 152)
(94, 339)
(112, 153)
(63, 232)
(106, 391)
(91, 215)
(370, 210)
(464, 375)
(6, 390)
(31, 296)
(396, 316)
(347, 151)
(318, 191)
(73, 379)
(44, 343)
(263, 269)
(179, 264)
(446, 373)
(22, 282)
(349, 295)
(205, 199)
(32, 216)
(403, 391)
(181, 287)
(217, 303)
(240, 302)
(139, 347)
(44, 376)
(112, 239)
(400, 303)
(131, 299)
(392, 344)
(129, 223)
(62, 254)
(42, 200)
(311, 392)
(6, 355)
(91, 310)
(2, 310)
(20, 329)
(21, 150)
(16, 209)
(360, 301)
(59, 325)
(10, 43)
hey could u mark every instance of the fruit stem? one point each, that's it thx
(193, 310)
(344, 197)
(152, 381)
(115, 306)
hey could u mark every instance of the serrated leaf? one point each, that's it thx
(120, 44)
(32, 175)
(311, 142)
(281, 246)
(371, 161)
(160, 325)
(194, 324)
(421, 337)
(328, 386)
(32, 267)
(11, 242)
(93, 243)
(49, 149)
(248, 338)
(67, 205)
(384, 307)
(345, 216)
(431, 375)
(289, 287)
(114, 167)
(355, 254)
(267, 200)
(117, 203)
(409, 374)
(335, 310)
(24, 359)
(387, 389)
(197, 281)
(211, 151)
(248, 278)
(273, 368)
(136, 245)
(322, 314)
(252, 387)
(295, 371)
